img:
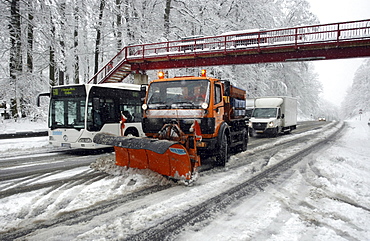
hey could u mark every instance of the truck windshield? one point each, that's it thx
(264, 112)
(179, 94)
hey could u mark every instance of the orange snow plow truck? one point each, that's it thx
(186, 120)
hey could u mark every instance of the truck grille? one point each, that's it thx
(153, 125)
(259, 126)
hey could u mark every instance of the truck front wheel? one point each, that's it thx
(223, 151)
(245, 141)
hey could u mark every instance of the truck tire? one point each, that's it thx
(243, 147)
(223, 151)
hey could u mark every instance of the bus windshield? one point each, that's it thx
(180, 94)
(71, 107)
(67, 107)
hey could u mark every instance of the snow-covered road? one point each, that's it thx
(323, 197)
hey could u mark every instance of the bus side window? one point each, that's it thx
(108, 111)
(96, 103)
(94, 121)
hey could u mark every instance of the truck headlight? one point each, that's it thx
(204, 105)
(250, 124)
(271, 124)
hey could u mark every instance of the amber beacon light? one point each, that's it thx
(161, 75)
(204, 73)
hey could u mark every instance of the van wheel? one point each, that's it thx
(222, 152)
(252, 132)
(276, 132)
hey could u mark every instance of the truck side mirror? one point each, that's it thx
(226, 88)
(143, 92)
(282, 116)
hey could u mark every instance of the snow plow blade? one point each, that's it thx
(165, 157)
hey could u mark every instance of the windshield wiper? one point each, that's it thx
(184, 104)
(158, 105)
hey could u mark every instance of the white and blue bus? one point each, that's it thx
(78, 112)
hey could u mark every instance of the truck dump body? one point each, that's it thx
(237, 93)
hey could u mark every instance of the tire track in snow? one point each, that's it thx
(168, 229)
(69, 182)
(75, 217)
(87, 214)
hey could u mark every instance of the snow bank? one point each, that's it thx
(21, 125)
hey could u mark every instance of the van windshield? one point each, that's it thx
(265, 112)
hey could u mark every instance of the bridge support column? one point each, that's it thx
(140, 79)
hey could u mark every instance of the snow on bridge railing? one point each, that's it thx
(245, 40)
(256, 39)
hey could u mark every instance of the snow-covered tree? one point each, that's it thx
(358, 95)
(67, 41)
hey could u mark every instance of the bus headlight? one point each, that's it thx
(144, 106)
(85, 140)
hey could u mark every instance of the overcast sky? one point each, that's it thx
(337, 75)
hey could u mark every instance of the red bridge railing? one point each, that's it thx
(237, 43)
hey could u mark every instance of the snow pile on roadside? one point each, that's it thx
(23, 144)
(21, 125)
